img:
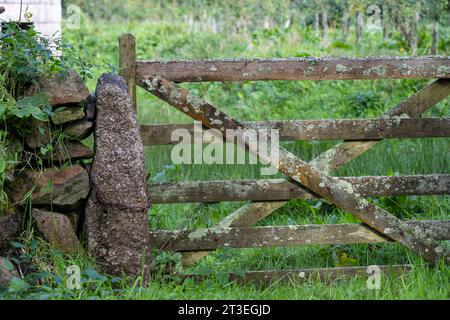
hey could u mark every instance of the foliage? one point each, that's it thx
(26, 57)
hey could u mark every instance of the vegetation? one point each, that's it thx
(200, 29)
(26, 57)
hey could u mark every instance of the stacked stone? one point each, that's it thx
(115, 221)
(55, 176)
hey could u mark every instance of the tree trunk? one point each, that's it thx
(407, 33)
(435, 36)
(302, 20)
(414, 36)
(316, 23)
(358, 27)
(324, 27)
(385, 22)
(345, 24)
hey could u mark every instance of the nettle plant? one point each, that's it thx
(25, 57)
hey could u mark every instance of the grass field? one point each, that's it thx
(262, 101)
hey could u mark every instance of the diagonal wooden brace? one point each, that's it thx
(417, 104)
(336, 190)
(332, 159)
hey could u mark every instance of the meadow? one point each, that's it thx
(97, 42)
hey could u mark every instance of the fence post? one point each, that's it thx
(127, 63)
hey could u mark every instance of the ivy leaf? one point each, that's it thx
(40, 115)
(48, 110)
(32, 106)
(7, 264)
(17, 285)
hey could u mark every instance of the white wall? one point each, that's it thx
(46, 14)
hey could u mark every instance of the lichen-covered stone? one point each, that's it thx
(62, 189)
(57, 229)
(79, 130)
(10, 227)
(67, 114)
(7, 272)
(39, 134)
(116, 223)
(68, 151)
(62, 88)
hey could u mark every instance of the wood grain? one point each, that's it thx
(281, 236)
(127, 63)
(282, 189)
(297, 69)
(294, 130)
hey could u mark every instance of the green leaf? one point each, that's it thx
(40, 115)
(17, 285)
(7, 264)
(32, 106)
(17, 244)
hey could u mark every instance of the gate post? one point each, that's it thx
(127, 63)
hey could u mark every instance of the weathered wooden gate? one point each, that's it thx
(304, 179)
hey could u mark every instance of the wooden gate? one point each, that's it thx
(304, 179)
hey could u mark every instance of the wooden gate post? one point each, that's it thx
(127, 63)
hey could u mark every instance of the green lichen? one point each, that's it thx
(341, 68)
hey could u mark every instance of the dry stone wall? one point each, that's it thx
(52, 172)
(104, 200)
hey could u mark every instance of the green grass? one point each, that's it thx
(260, 101)
(423, 282)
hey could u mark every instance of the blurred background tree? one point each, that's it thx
(402, 18)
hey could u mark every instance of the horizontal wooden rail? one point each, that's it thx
(292, 130)
(282, 189)
(280, 236)
(295, 276)
(296, 69)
